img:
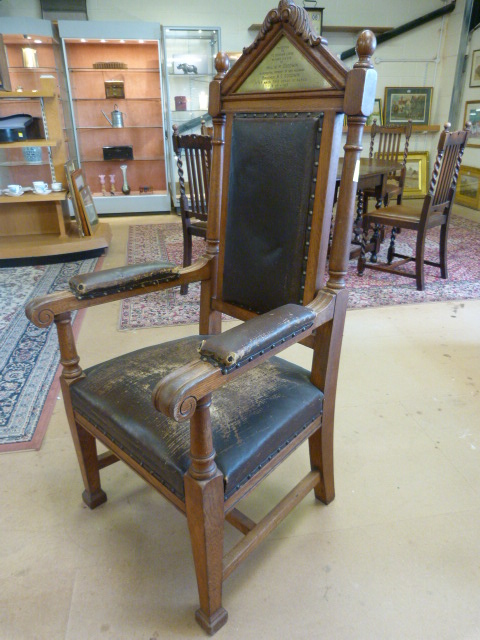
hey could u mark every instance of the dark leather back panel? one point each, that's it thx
(270, 197)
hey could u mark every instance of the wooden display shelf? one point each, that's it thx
(34, 93)
(131, 69)
(29, 143)
(57, 196)
(50, 244)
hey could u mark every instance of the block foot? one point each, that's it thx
(211, 624)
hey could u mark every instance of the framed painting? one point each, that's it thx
(475, 70)
(70, 167)
(472, 113)
(89, 206)
(5, 84)
(78, 183)
(417, 174)
(376, 113)
(468, 187)
(408, 103)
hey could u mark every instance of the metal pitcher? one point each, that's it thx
(117, 117)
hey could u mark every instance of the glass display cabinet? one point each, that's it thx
(116, 99)
(34, 224)
(188, 68)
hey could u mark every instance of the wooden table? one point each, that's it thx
(373, 175)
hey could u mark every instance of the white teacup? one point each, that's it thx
(40, 187)
(15, 188)
(57, 186)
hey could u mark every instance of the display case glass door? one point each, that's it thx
(188, 67)
(117, 104)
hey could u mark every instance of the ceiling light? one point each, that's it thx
(141, 41)
(102, 40)
(38, 41)
(82, 40)
(122, 41)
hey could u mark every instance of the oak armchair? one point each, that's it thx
(204, 419)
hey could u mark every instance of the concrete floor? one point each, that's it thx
(395, 556)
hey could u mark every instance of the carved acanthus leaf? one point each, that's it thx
(287, 11)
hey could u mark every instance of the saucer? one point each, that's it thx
(7, 192)
(42, 193)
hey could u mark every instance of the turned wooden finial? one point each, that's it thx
(365, 48)
(446, 126)
(222, 64)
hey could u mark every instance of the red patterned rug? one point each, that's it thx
(374, 289)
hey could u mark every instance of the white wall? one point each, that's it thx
(426, 56)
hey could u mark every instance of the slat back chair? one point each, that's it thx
(435, 211)
(390, 143)
(194, 153)
(226, 411)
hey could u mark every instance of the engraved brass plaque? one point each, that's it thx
(284, 68)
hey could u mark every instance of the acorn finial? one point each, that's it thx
(365, 48)
(222, 64)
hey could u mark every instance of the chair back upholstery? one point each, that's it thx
(278, 116)
(196, 152)
(443, 183)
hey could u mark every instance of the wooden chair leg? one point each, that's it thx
(391, 248)
(187, 256)
(443, 251)
(324, 376)
(205, 514)
(419, 260)
(362, 257)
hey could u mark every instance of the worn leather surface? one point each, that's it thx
(270, 188)
(122, 278)
(245, 341)
(252, 416)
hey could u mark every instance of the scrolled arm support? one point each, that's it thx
(42, 311)
(177, 395)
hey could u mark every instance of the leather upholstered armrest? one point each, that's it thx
(245, 342)
(101, 283)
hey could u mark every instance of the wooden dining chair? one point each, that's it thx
(389, 143)
(195, 152)
(204, 419)
(435, 212)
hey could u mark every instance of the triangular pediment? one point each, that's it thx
(284, 68)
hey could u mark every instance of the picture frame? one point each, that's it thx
(472, 113)
(5, 83)
(475, 69)
(89, 206)
(408, 103)
(417, 175)
(316, 17)
(468, 187)
(70, 167)
(78, 183)
(376, 113)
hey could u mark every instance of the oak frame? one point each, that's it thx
(186, 394)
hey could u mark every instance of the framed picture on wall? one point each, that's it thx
(468, 187)
(5, 84)
(472, 113)
(417, 174)
(475, 70)
(376, 113)
(408, 103)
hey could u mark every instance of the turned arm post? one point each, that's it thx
(359, 100)
(69, 357)
(202, 453)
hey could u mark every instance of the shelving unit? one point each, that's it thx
(188, 68)
(34, 225)
(135, 47)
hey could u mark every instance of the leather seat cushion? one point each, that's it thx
(253, 416)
